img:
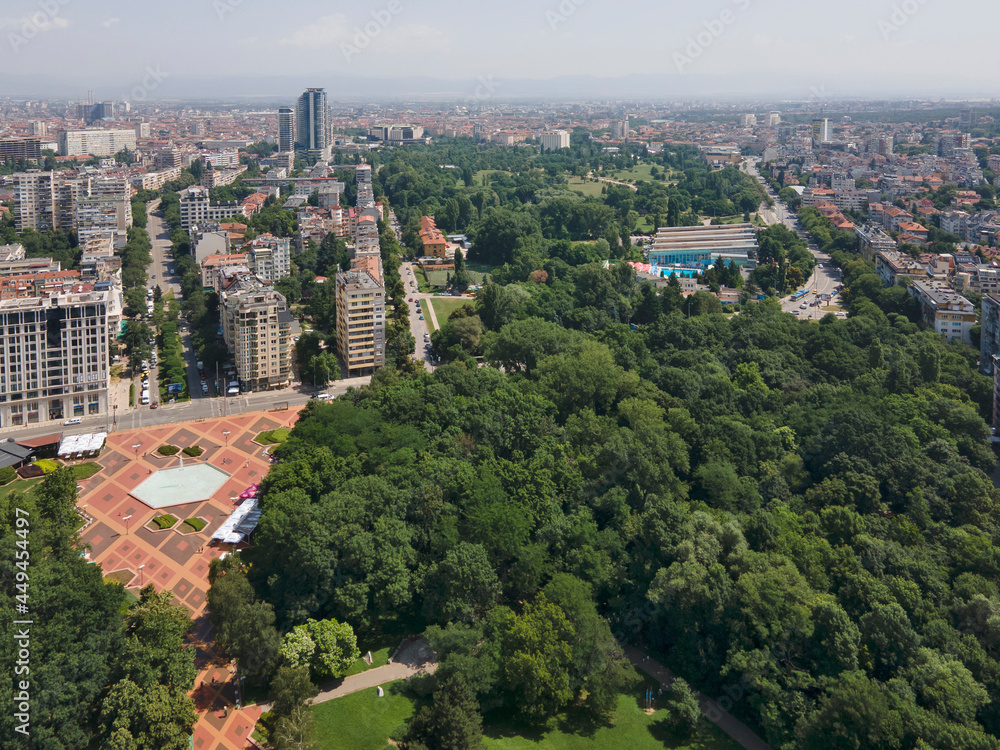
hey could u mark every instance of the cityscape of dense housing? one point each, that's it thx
(607, 381)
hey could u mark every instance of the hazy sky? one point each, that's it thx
(834, 47)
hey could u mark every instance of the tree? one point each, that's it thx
(244, 625)
(536, 655)
(684, 711)
(453, 721)
(290, 688)
(327, 647)
(463, 586)
(296, 731)
(855, 713)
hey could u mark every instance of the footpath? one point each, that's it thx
(735, 728)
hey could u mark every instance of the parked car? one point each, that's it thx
(155, 405)
(421, 317)
(74, 420)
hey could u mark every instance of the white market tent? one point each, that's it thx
(239, 525)
(81, 445)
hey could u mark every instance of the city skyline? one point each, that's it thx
(527, 49)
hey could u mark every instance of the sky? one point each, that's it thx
(836, 50)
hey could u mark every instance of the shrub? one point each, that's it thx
(47, 465)
(196, 523)
(194, 451)
(273, 437)
(168, 450)
(165, 521)
(7, 475)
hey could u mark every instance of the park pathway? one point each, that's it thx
(415, 657)
(735, 728)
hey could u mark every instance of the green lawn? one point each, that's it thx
(273, 437)
(379, 659)
(19, 485)
(85, 471)
(445, 306)
(585, 187)
(632, 729)
(481, 174)
(640, 172)
(362, 721)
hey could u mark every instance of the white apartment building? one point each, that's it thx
(955, 222)
(269, 257)
(54, 358)
(555, 140)
(95, 142)
(196, 208)
(97, 216)
(155, 180)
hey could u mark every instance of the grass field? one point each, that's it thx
(481, 174)
(444, 307)
(640, 172)
(19, 485)
(273, 437)
(632, 729)
(362, 721)
(379, 659)
(585, 187)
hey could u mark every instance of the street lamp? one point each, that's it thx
(136, 448)
(225, 434)
(126, 519)
(140, 575)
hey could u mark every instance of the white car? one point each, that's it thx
(804, 306)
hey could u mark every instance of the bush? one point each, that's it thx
(7, 475)
(165, 521)
(194, 451)
(47, 465)
(273, 437)
(196, 523)
(168, 450)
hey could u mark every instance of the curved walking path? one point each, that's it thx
(366, 680)
(735, 728)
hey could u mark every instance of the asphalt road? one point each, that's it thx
(824, 280)
(205, 408)
(417, 327)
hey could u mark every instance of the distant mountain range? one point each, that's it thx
(340, 88)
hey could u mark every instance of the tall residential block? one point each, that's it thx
(312, 131)
(286, 129)
(54, 358)
(95, 142)
(555, 140)
(257, 328)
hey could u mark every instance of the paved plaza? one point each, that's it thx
(171, 560)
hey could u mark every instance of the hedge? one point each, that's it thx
(168, 450)
(196, 523)
(194, 451)
(165, 521)
(7, 474)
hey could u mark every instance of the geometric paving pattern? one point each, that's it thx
(176, 562)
